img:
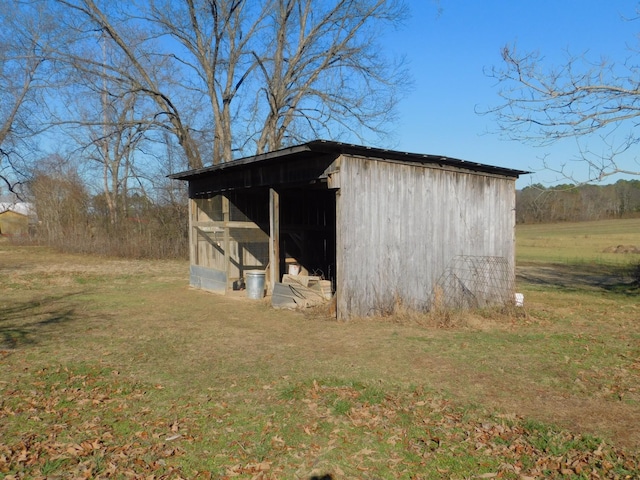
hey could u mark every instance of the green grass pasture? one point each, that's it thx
(575, 243)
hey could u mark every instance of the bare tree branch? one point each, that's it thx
(325, 56)
(593, 102)
(23, 56)
(261, 67)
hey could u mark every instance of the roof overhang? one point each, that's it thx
(329, 149)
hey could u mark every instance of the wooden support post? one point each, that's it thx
(226, 242)
(193, 234)
(274, 238)
(337, 306)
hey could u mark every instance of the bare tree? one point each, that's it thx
(580, 99)
(144, 72)
(61, 201)
(110, 129)
(321, 70)
(217, 38)
(128, 90)
(244, 74)
(23, 54)
(114, 147)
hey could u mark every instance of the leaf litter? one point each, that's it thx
(87, 422)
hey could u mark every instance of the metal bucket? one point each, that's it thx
(255, 283)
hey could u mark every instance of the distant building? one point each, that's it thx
(14, 218)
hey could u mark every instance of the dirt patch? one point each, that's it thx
(575, 276)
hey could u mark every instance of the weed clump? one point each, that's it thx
(438, 315)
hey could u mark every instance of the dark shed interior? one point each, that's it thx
(296, 179)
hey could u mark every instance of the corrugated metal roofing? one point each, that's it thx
(324, 147)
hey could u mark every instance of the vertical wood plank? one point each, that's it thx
(274, 238)
(340, 307)
(193, 235)
(226, 238)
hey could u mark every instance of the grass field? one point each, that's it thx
(576, 243)
(116, 369)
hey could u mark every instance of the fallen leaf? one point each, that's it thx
(366, 452)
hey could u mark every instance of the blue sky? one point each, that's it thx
(448, 50)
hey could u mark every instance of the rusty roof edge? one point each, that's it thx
(328, 146)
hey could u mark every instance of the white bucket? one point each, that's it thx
(519, 300)
(294, 269)
(255, 283)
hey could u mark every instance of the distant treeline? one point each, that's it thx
(570, 203)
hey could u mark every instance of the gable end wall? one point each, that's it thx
(399, 226)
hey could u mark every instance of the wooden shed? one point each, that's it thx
(386, 228)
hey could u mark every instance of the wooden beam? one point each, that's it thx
(274, 238)
(340, 252)
(229, 224)
(193, 238)
(300, 170)
(226, 238)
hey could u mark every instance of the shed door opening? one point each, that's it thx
(308, 231)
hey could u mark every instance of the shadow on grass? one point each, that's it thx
(27, 323)
(617, 279)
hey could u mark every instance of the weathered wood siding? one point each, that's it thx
(399, 226)
(224, 243)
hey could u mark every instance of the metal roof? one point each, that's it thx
(324, 147)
